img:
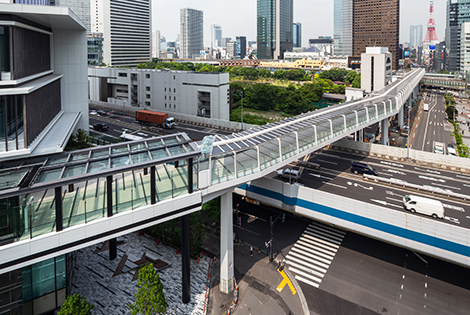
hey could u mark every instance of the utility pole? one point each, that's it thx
(271, 258)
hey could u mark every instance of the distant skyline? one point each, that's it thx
(240, 19)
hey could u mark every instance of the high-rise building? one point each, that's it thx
(376, 23)
(376, 69)
(80, 7)
(324, 44)
(458, 12)
(416, 35)
(365, 23)
(156, 40)
(225, 41)
(231, 49)
(343, 27)
(274, 28)
(465, 49)
(126, 27)
(297, 28)
(216, 35)
(240, 47)
(191, 33)
(95, 49)
(37, 2)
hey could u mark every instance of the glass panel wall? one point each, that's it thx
(362, 116)
(338, 125)
(381, 109)
(11, 123)
(247, 162)
(269, 153)
(223, 168)
(306, 138)
(372, 112)
(351, 121)
(288, 145)
(323, 131)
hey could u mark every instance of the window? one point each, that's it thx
(147, 88)
(147, 96)
(169, 105)
(165, 105)
(147, 104)
(165, 96)
(123, 75)
(165, 89)
(147, 76)
(174, 90)
(174, 98)
(174, 77)
(174, 106)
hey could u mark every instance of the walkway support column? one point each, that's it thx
(384, 127)
(226, 243)
(109, 207)
(360, 135)
(400, 116)
(186, 244)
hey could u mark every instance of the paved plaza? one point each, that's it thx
(109, 285)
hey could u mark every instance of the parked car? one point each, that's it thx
(102, 112)
(362, 168)
(101, 127)
(451, 150)
(94, 113)
(438, 147)
(289, 174)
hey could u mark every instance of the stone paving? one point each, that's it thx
(94, 279)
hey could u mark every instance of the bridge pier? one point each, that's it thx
(359, 135)
(400, 117)
(384, 128)
(226, 243)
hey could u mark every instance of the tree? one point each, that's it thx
(150, 298)
(356, 83)
(76, 305)
(451, 112)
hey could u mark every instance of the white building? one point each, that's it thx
(191, 33)
(216, 35)
(126, 26)
(80, 7)
(376, 69)
(192, 93)
(156, 40)
(465, 49)
(43, 83)
(416, 35)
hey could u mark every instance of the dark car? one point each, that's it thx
(100, 127)
(102, 112)
(362, 168)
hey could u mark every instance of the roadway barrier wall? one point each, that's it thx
(422, 234)
(430, 159)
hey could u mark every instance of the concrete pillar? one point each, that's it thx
(112, 248)
(384, 127)
(400, 116)
(360, 135)
(186, 259)
(226, 243)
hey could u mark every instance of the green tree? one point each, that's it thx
(279, 74)
(76, 305)
(451, 112)
(78, 141)
(264, 73)
(150, 298)
(357, 82)
(350, 77)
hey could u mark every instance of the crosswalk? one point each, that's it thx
(313, 253)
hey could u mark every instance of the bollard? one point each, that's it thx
(158, 241)
(199, 258)
(177, 251)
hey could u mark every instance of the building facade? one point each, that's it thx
(240, 47)
(376, 69)
(274, 28)
(126, 28)
(191, 93)
(95, 49)
(35, 2)
(343, 27)
(324, 44)
(43, 101)
(191, 33)
(80, 7)
(297, 29)
(416, 35)
(216, 36)
(458, 12)
(376, 23)
(156, 40)
(465, 49)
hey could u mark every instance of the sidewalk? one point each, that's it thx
(257, 280)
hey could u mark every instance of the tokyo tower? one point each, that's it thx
(431, 36)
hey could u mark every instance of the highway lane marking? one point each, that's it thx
(468, 217)
(398, 200)
(395, 172)
(434, 132)
(457, 208)
(329, 162)
(392, 193)
(466, 177)
(321, 176)
(466, 185)
(431, 178)
(339, 186)
(391, 164)
(429, 171)
(452, 219)
(447, 186)
(383, 202)
(359, 185)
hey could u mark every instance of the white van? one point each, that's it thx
(424, 205)
(426, 107)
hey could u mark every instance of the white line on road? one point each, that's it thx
(447, 186)
(392, 193)
(320, 176)
(329, 162)
(398, 200)
(457, 208)
(466, 177)
(391, 164)
(339, 186)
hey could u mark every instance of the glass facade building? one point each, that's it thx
(416, 35)
(458, 12)
(95, 49)
(191, 33)
(297, 34)
(240, 47)
(37, 2)
(274, 28)
(216, 36)
(343, 27)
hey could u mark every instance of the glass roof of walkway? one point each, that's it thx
(98, 161)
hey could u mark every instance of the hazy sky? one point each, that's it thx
(238, 18)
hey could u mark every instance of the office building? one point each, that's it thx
(178, 92)
(274, 28)
(240, 47)
(126, 28)
(324, 44)
(191, 33)
(95, 49)
(458, 12)
(439, 57)
(225, 41)
(231, 49)
(35, 2)
(297, 29)
(80, 7)
(465, 49)
(416, 35)
(216, 36)
(156, 41)
(343, 27)
(44, 100)
(376, 69)
(376, 23)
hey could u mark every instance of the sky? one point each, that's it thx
(238, 18)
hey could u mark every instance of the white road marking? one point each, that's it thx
(398, 200)
(395, 172)
(321, 176)
(431, 178)
(447, 186)
(457, 208)
(468, 216)
(466, 185)
(429, 171)
(339, 186)
(466, 177)
(142, 134)
(392, 193)
(452, 219)
(329, 162)
(391, 164)
(359, 185)
(385, 203)
(434, 132)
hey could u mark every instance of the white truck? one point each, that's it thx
(426, 107)
(424, 205)
(438, 147)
